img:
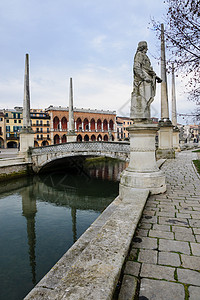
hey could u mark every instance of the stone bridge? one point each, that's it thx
(42, 156)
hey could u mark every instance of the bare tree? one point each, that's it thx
(182, 32)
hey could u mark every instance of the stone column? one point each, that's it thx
(165, 148)
(176, 131)
(26, 134)
(71, 135)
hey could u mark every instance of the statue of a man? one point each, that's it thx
(144, 85)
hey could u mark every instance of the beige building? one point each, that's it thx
(122, 124)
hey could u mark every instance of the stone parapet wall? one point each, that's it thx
(90, 269)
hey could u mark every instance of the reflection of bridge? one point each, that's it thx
(45, 155)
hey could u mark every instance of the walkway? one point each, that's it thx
(165, 253)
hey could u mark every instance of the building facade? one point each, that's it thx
(122, 124)
(40, 123)
(90, 125)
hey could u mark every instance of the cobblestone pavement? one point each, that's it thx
(165, 252)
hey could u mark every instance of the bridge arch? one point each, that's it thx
(42, 156)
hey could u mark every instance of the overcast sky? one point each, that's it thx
(92, 41)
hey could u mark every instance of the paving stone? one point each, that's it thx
(150, 219)
(161, 290)
(194, 223)
(166, 214)
(174, 246)
(156, 271)
(145, 243)
(161, 227)
(194, 292)
(182, 229)
(197, 238)
(133, 254)
(188, 276)
(195, 249)
(142, 232)
(149, 213)
(173, 221)
(169, 259)
(161, 234)
(128, 288)
(191, 262)
(183, 216)
(145, 226)
(196, 230)
(132, 268)
(181, 236)
(148, 256)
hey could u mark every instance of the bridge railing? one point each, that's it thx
(83, 146)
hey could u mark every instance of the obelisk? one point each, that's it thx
(26, 134)
(174, 116)
(164, 93)
(165, 145)
(176, 131)
(71, 136)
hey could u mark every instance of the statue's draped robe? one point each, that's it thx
(143, 92)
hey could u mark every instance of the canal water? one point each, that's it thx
(42, 216)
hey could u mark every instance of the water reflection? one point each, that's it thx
(29, 210)
(49, 232)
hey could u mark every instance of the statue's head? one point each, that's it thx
(142, 45)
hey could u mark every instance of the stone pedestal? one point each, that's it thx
(142, 172)
(165, 140)
(176, 145)
(71, 137)
(26, 141)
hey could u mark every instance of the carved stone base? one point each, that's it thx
(26, 141)
(165, 140)
(176, 145)
(71, 137)
(142, 172)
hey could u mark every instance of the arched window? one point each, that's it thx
(92, 125)
(111, 125)
(45, 143)
(113, 137)
(86, 138)
(79, 138)
(36, 144)
(105, 125)
(85, 124)
(99, 138)
(79, 124)
(56, 139)
(93, 138)
(105, 138)
(64, 138)
(99, 125)
(64, 123)
(56, 123)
